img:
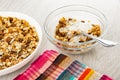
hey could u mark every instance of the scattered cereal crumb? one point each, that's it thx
(82, 21)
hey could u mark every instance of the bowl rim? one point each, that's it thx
(73, 5)
(29, 58)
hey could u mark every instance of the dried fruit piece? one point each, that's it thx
(8, 39)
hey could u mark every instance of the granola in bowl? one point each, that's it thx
(18, 39)
(69, 30)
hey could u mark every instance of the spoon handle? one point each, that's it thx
(105, 43)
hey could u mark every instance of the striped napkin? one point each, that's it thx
(54, 66)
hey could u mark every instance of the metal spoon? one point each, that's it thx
(105, 43)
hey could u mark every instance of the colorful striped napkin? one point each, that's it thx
(54, 66)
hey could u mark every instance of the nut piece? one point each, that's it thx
(1, 53)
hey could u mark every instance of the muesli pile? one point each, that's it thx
(18, 39)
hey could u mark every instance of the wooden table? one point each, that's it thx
(104, 60)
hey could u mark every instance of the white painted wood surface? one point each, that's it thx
(104, 60)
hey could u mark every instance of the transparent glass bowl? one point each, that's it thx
(36, 51)
(78, 12)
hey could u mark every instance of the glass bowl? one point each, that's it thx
(78, 12)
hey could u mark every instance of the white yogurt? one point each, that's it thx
(75, 26)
